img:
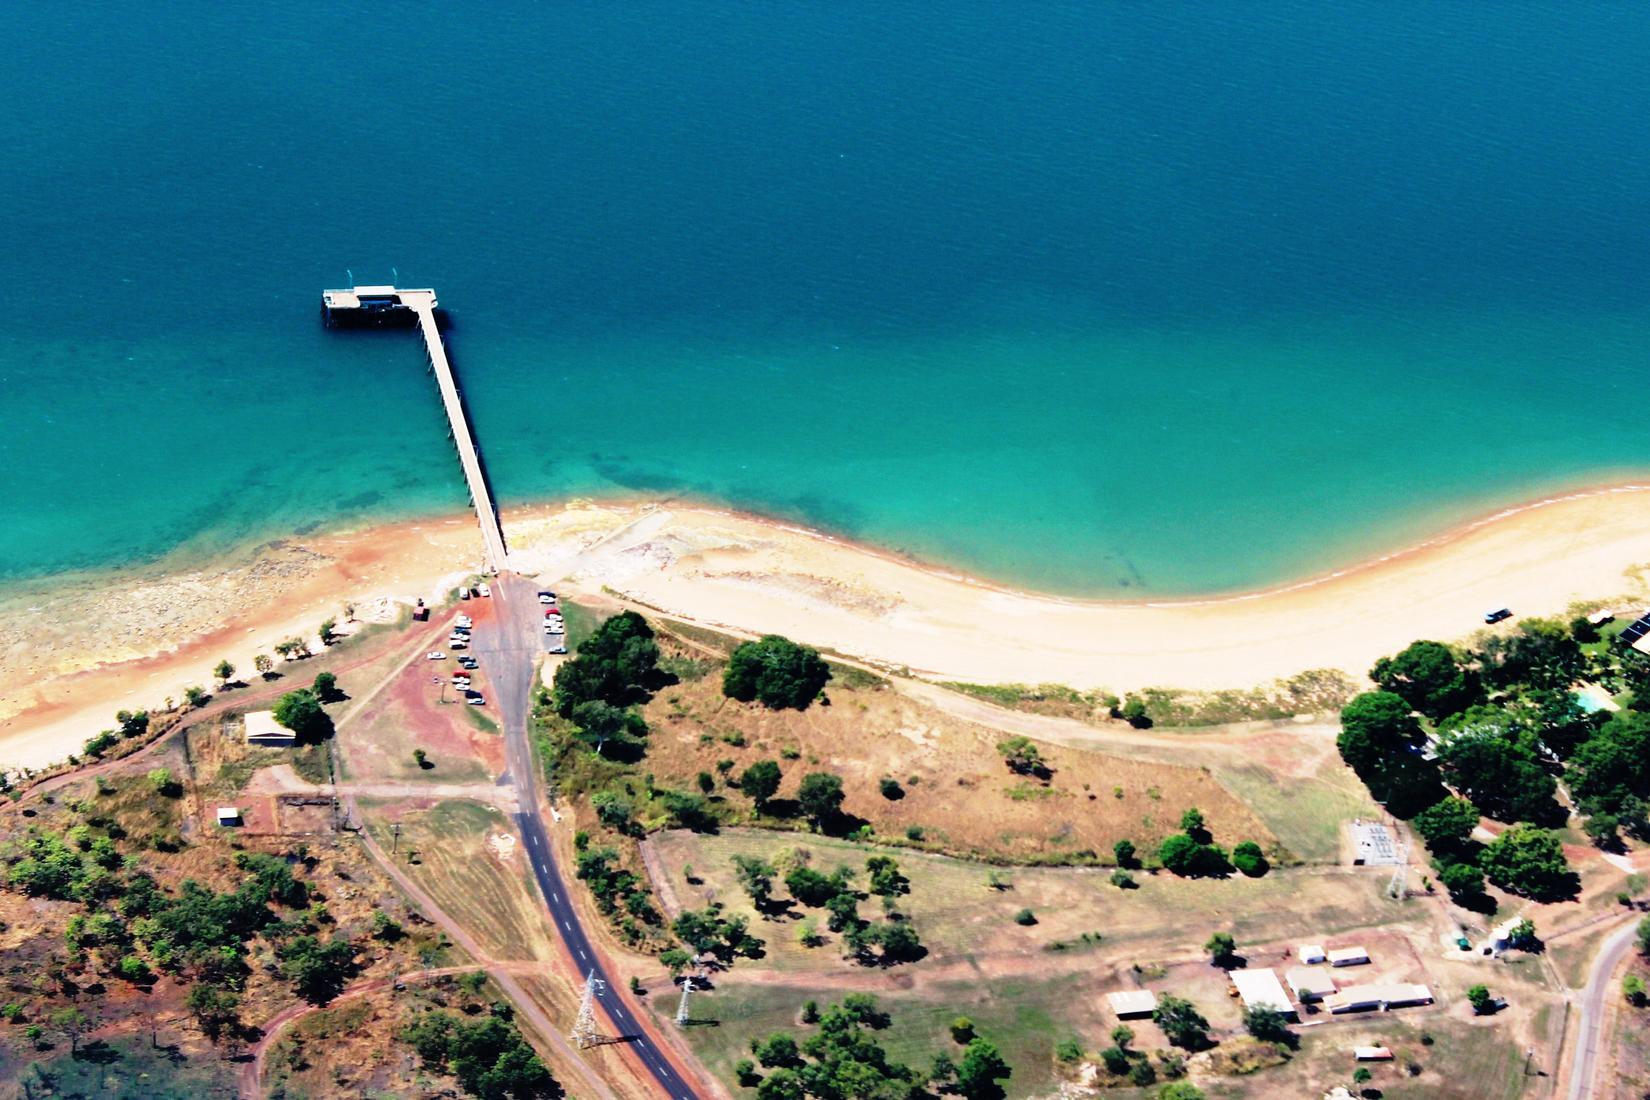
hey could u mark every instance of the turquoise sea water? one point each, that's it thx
(1093, 298)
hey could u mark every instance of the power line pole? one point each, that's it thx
(682, 1008)
(1400, 874)
(584, 1027)
(395, 833)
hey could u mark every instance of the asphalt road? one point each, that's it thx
(1585, 1067)
(507, 653)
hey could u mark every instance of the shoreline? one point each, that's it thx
(750, 573)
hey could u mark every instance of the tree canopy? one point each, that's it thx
(820, 797)
(1529, 861)
(761, 782)
(301, 712)
(776, 672)
(618, 665)
(1428, 678)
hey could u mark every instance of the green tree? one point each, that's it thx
(820, 797)
(777, 1050)
(776, 672)
(1380, 740)
(133, 723)
(1603, 829)
(317, 970)
(1133, 711)
(1427, 676)
(1465, 883)
(223, 671)
(1447, 824)
(1248, 858)
(1180, 1090)
(195, 696)
(982, 1066)
(1479, 997)
(1022, 756)
(1632, 988)
(1192, 823)
(1541, 655)
(328, 630)
(601, 724)
(962, 1030)
(756, 876)
(1222, 949)
(1123, 850)
(422, 759)
(326, 687)
(214, 1007)
(1183, 855)
(162, 783)
(72, 1022)
(301, 712)
(1529, 861)
(1184, 1026)
(885, 877)
(891, 790)
(1612, 767)
(615, 665)
(1487, 758)
(761, 782)
(1267, 1024)
(1642, 937)
(264, 664)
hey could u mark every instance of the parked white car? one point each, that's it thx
(435, 655)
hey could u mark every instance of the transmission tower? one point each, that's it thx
(584, 1028)
(682, 1008)
(1400, 874)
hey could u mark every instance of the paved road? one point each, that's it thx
(1599, 985)
(508, 653)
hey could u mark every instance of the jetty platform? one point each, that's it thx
(391, 303)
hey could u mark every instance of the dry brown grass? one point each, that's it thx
(957, 790)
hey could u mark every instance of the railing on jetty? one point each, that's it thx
(388, 302)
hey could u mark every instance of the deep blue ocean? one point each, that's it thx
(1094, 298)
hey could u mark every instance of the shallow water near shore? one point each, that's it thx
(1115, 302)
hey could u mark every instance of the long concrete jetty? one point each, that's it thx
(388, 302)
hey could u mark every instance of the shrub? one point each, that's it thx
(1249, 859)
(891, 790)
(1025, 917)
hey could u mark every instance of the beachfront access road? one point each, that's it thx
(509, 648)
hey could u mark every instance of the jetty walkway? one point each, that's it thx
(368, 303)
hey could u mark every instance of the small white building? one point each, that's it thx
(1371, 1054)
(229, 815)
(1261, 989)
(1132, 1002)
(1348, 956)
(1309, 984)
(262, 729)
(1384, 996)
(1310, 953)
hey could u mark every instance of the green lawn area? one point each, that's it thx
(1024, 1018)
(1305, 815)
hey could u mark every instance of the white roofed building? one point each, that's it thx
(1348, 956)
(1261, 989)
(262, 729)
(1309, 983)
(1132, 1002)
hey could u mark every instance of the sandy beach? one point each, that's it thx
(84, 647)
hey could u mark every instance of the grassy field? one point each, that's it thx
(1025, 1018)
(1306, 815)
(959, 915)
(955, 792)
(446, 850)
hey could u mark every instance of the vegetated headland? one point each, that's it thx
(87, 646)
